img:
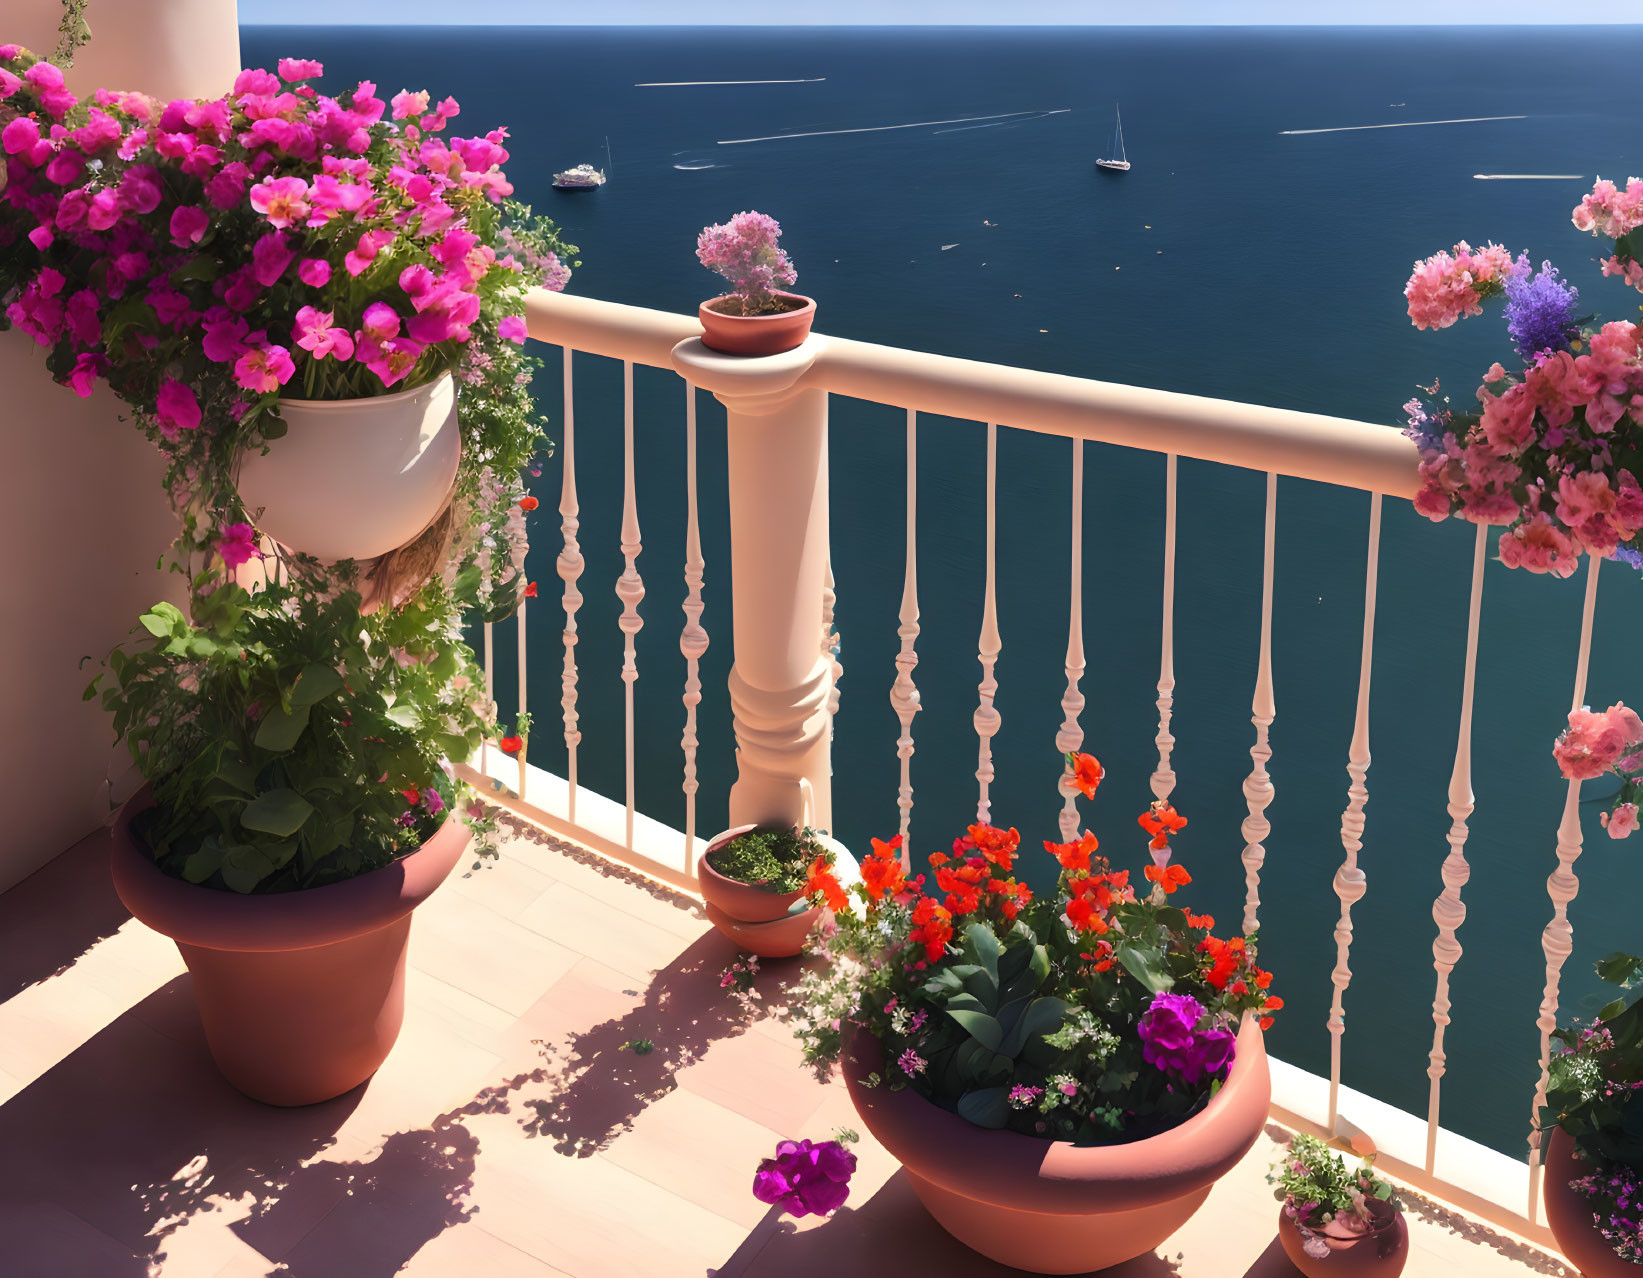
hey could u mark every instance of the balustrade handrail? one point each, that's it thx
(1333, 450)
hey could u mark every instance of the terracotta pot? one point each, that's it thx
(751, 917)
(355, 478)
(1377, 1253)
(756, 334)
(1052, 1207)
(1569, 1216)
(301, 993)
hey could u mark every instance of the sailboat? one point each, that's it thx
(1121, 164)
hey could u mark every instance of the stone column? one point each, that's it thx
(776, 439)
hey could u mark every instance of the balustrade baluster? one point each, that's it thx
(570, 572)
(630, 588)
(1163, 778)
(1448, 911)
(693, 641)
(1557, 941)
(1258, 787)
(524, 670)
(987, 719)
(1071, 736)
(904, 693)
(490, 698)
(1349, 879)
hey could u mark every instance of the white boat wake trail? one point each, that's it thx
(1402, 124)
(885, 128)
(691, 84)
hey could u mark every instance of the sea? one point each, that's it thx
(936, 189)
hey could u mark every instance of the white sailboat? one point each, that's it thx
(1121, 163)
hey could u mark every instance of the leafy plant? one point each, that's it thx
(1597, 1075)
(73, 32)
(1318, 1189)
(290, 742)
(770, 857)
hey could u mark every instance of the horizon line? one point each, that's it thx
(950, 26)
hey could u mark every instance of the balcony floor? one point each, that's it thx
(510, 1133)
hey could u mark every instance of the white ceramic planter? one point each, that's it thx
(355, 478)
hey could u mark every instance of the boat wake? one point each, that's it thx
(1401, 124)
(885, 128)
(692, 84)
(1530, 177)
(999, 124)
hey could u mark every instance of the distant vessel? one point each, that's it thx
(1121, 164)
(584, 177)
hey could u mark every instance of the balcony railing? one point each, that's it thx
(783, 686)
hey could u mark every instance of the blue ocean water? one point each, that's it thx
(1233, 261)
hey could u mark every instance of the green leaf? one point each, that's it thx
(982, 947)
(964, 1001)
(314, 684)
(156, 625)
(1146, 964)
(405, 715)
(1619, 969)
(1043, 1016)
(278, 812)
(279, 731)
(983, 1028)
(985, 1107)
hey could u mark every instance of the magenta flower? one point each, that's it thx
(432, 802)
(294, 69)
(47, 82)
(364, 253)
(227, 189)
(270, 257)
(265, 369)
(189, 225)
(316, 333)
(1171, 1040)
(176, 409)
(392, 360)
(314, 272)
(805, 1178)
(9, 84)
(512, 328)
(1622, 821)
(407, 104)
(744, 251)
(283, 201)
(236, 544)
(255, 80)
(910, 1062)
(379, 323)
(83, 376)
(225, 336)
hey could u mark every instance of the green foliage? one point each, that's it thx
(283, 734)
(73, 32)
(1597, 1078)
(770, 857)
(1316, 1184)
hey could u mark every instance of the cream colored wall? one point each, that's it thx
(82, 516)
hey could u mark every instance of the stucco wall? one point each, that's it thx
(82, 516)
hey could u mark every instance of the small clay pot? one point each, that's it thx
(756, 334)
(301, 993)
(1569, 1215)
(752, 917)
(1378, 1251)
(1053, 1207)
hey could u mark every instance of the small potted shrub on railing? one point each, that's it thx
(1062, 1078)
(1336, 1218)
(756, 318)
(756, 882)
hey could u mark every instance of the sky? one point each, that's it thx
(1495, 13)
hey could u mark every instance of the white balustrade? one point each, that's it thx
(524, 671)
(630, 588)
(1163, 777)
(830, 645)
(1557, 941)
(1350, 881)
(490, 694)
(1448, 911)
(987, 719)
(904, 692)
(1258, 788)
(693, 640)
(570, 565)
(1071, 736)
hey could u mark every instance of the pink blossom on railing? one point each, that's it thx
(1611, 211)
(744, 251)
(1445, 287)
(1598, 742)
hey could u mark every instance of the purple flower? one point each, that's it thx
(1210, 1055)
(432, 802)
(1172, 1041)
(1540, 310)
(805, 1178)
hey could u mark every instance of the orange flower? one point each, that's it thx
(1084, 917)
(998, 846)
(1074, 856)
(1169, 877)
(1086, 773)
(413, 796)
(882, 873)
(1263, 978)
(530, 590)
(1101, 957)
(1205, 921)
(1227, 957)
(932, 928)
(939, 859)
(511, 745)
(820, 882)
(528, 503)
(1272, 1004)
(1161, 820)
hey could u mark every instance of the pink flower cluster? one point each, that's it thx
(745, 252)
(1445, 287)
(268, 230)
(1615, 213)
(1597, 742)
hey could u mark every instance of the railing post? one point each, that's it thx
(780, 683)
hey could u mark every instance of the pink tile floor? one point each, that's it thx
(510, 1135)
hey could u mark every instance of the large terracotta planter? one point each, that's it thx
(756, 334)
(1353, 1253)
(301, 993)
(757, 920)
(1052, 1207)
(355, 478)
(1569, 1216)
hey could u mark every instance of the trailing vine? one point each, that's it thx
(73, 32)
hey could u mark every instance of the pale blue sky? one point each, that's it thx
(1495, 13)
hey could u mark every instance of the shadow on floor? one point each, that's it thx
(600, 1084)
(119, 1146)
(889, 1233)
(58, 913)
(519, 830)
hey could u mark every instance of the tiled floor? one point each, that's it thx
(512, 1134)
